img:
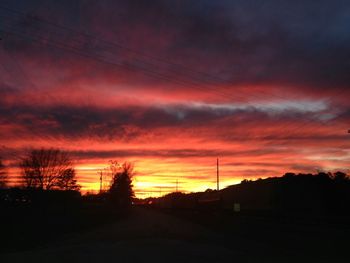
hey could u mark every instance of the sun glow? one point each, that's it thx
(156, 177)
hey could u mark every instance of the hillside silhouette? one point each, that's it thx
(303, 194)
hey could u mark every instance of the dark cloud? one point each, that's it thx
(130, 122)
(286, 43)
(181, 153)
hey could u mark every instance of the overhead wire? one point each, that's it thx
(134, 67)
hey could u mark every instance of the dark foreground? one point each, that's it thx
(187, 236)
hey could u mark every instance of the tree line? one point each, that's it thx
(52, 169)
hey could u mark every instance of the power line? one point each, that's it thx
(39, 19)
(114, 44)
(141, 54)
(128, 66)
(101, 59)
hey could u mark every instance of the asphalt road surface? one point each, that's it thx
(151, 236)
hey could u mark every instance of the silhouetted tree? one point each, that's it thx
(245, 181)
(48, 169)
(323, 176)
(340, 177)
(3, 175)
(289, 175)
(121, 191)
(67, 180)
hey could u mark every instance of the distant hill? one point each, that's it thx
(321, 194)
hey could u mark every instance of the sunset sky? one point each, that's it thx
(172, 85)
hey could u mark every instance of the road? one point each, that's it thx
(145, 236)
(151, 236)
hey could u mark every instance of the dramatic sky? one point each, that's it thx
(172, 85)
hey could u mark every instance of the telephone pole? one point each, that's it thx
(100, 182)
(217, 174)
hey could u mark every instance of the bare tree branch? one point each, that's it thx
(3, 176)
(48, 169)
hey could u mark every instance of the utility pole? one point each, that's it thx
(217, 174)
(100, 181)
